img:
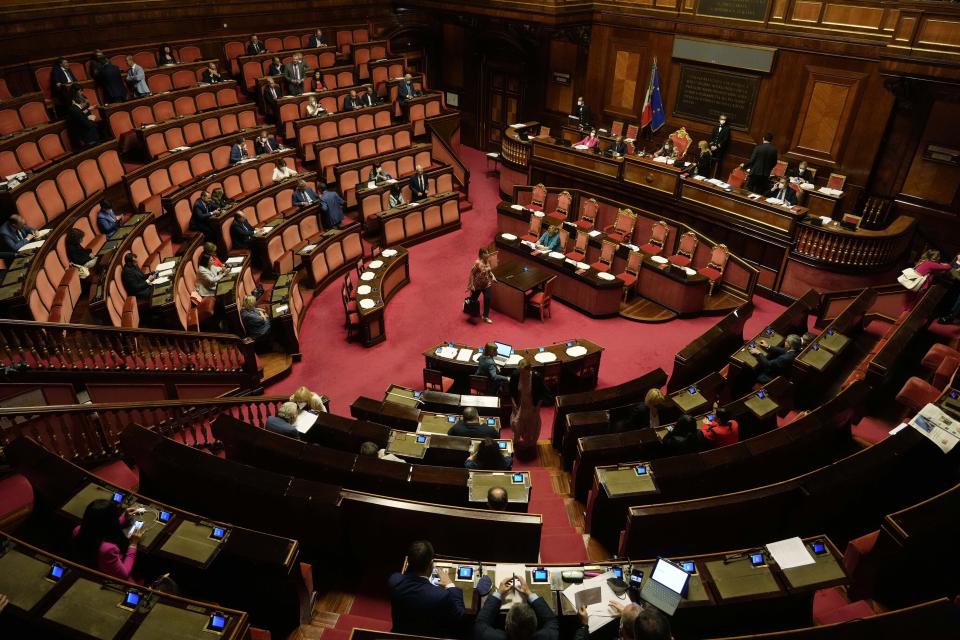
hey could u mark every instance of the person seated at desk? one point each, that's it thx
(704, 160)
(582, 112)
(489, 457)
(316, 40)
(78, 254)
(100, 541)
(255, 47)
(371, 450)
(628, 618)
(282, 423)
(81, 123)
(377, 174)
(619, 147)
(642, 415)
(352, 101)
(367, 97)
(256, 323)
(530, 619)
(201, 217)
(303, 195)
(419, 186)
(166, 56)
(15, 233)
(802, 174)
(778, 360)
(406, 90)
(487, 366)
(210, 249)
(331, 207)
(722, 430)
(419, 607)
(276, 67)
(62, 81)
(314, 108)
(241, 231)
(220, 199)
(211, 75)
(783, 192)
(208, 276)
(684, 437)
(470, 426)
(136, 79)
(928, 265)
(666, 151)
(134, 282)
(590, 140)
(497, 499)
(316, 82)
(107, 221)
(550, 240)
(281, 171)
(266, 144)
(396, 196)
(238, 152)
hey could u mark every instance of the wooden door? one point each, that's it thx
(502, 97)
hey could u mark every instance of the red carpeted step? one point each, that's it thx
(831, 606)
(350, 621)
(335, 634)
(554, 512)
(119, 474)
(371, 606)
(563, 547)
(871, 431)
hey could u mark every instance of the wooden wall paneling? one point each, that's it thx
(848, 15)
(453, 52)
(806, 11)
(563, 57)
(628, 65)
(930, 180)
(822, 127)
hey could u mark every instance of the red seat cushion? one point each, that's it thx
(616, 236)
(584, 224)
(576, 255)
(948, 366)
(352, 306)
(851, 611)
(651, 249)
(628, 278)
(709, 273)
(917, 393)
(869, 429)
(558, 215)
(353, 318)
(858, 550)
(536, 298)
(535, 207)
(600, 266)
(683, 261)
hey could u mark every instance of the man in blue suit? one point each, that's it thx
(331, 207)
(14, 233)
(420, 607)
(108, 221)
(304, 195)
(778, 360)
(202, 217)
(238, 151)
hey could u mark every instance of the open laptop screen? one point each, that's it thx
(670, 576)
(504, 350)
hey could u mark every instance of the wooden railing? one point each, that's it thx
(51, 349)
(445, 135)
(836, 246)
(89, 434)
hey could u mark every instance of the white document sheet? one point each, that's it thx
(305, 420)
(235, 260)
(600, 613)
(161, 280)
(502, 571)
(465, 355)
(447, 352)
(790, 553)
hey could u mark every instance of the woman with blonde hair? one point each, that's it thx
(704, 160)
(525, 418)
(307, 399)
(642, 415)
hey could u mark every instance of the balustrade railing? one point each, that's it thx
(861, 249)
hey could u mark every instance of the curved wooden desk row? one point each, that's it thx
(421, 220)
(367, 144)
(310, 131)
(125, 117)
(323, 516)
(378, 283)
(755, 414)
(724, 592)
(288, 300)
(436, 484)
(159, 139)
(812, 441)
(843, 499)
(572, 364)
(82, 603)
(401, 410)
(244, 569)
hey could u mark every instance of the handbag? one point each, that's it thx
(911, 280)
(471, 306)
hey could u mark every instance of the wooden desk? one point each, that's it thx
(389, 275)
(514, 282)
(514, 149)
(672, 287)
(657, 176)
(737, 203)
(585, 160)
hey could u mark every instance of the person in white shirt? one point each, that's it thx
(208, 276)
(314, 108)
(307, 399)
(370, 449)
(281, 172)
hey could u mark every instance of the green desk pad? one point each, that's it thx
(78, 503)
(192, 541)
(467, 586)
(816, 358)
(739, 578)
(403, 443)
(172, 623)
(401, 396)
(544, 590)
(480, 483)
(773, 340)
(90, 608)
(761, 407)
(696, 591)
(434, 423)
(834, 343)
(22, 579)
(825, 569)
(689, 403)
(619, 482)
(746, 358)
(152, 527)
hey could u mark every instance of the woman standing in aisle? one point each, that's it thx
(481, 280)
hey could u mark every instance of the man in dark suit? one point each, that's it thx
(352, 101)
(241, 231)
(238, 151)
(255, 47)
(265, 144)
(778, 360)
(802, 173)
(111, 81)
(406, 90)
(211, 74)
(304, 195)
(523, 618)
(270, 97)
(14, 233)
(61, 81)
(367, 99)
(420, 607)
(201, 218)
(582, 111)
(316, 40)
(294, 73)
(418, 184)
(470, 426)
(134, 282)
(783, 192)
(331, 207)
(80, 122)
(276, 67)
(719, 139)
(619, 147)
(761, 163)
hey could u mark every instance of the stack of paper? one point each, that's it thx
(161, 280)
(790, 553)
(595, 594)
(464, 355)
(305, 420)
(939, 427)
(30, 246)
(447, 352)
(235, 260)
(503, 571)
(164, 266)
(236, 269)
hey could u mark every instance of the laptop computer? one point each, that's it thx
(666, 586)
(504, 351)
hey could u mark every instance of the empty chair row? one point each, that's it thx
(124, 117)
(308, 130)
(419, 109)
(399, 164)
(279, 253)
(376, 200)
(160, 140)
(409, 225)
(27, 111)
(33, 150)
(364, 53)
(48, 194)
(331, 153)
(383, 70)
(335, 253)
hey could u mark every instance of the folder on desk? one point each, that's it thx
(305, 420)
(464, 355)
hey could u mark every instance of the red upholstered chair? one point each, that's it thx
(534, 231)
(836, 181)
(435, 381)
(658, 236)
(945, 372)
(916, 394)
(538, 197)
(564, 239)
(681, 141)
(830, 606)
(351, 318)
(605, 261)
(480, 386)
(736, 178)
(688, 245)
(588, 214)
(714, 269)
(622, 227)
(579, 248)
(779, 169)
(630, 273)
(632, 132)
(936, 354)
(540, 301)
(563, 205)
(616, 129)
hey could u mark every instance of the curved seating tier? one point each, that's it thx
(34, 149)
(276, 41)
(363, 53)
(24, 111)
(335, 253)
(399, 164)
(375, 200)
(297, 124)
(427, 218)
(417, 110)
(256, 66)
(331, 153)
(160, 139)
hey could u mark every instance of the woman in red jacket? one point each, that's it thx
(101, 543)
(928, 265)
(721, 431)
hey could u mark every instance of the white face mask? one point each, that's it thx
(722, 122)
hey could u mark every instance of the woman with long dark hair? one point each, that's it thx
(490, 457)
(101, 543)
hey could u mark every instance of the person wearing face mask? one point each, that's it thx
(783, 192)
(719, 139)
(590, 141)
(582, 111)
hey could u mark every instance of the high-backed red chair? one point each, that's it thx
(588, 214)
(714, 269)
(779, 169)
(616, 129)
(579, 248)
(534, 231)
(563, 205)
(681, 141)
(564, 239)
(836, 181)
(622, 227)
(630, 273)
(658, 236)
(436, 381)
(736, 178)
(540, 301)
(538, 197)
(632, 132)
(605, 261)
(685, 250)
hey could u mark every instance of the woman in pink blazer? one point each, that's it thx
(101, 543)
(590, 140)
